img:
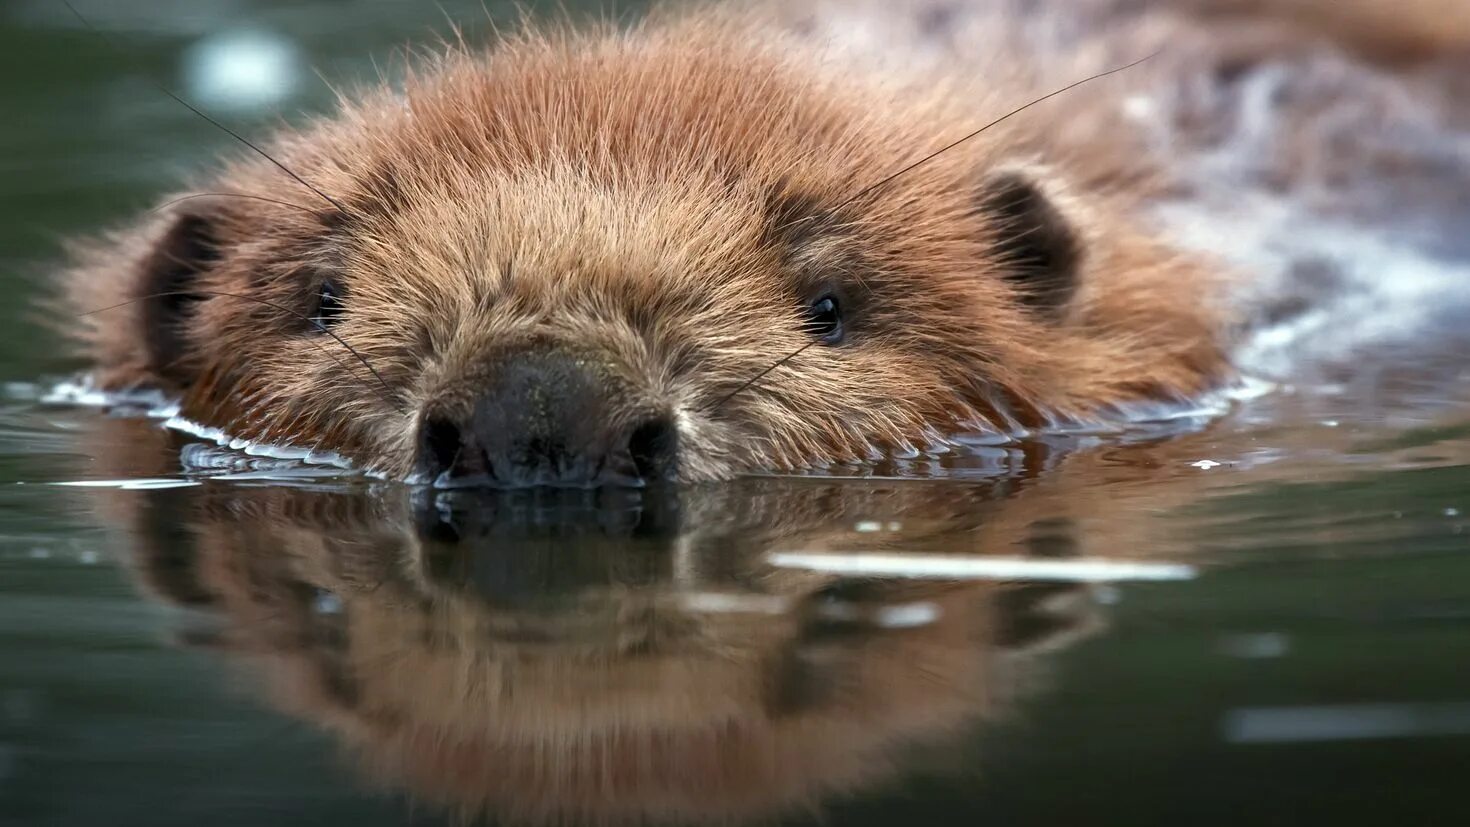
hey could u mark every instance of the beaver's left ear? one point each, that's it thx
(1038, 245)
(165, 283)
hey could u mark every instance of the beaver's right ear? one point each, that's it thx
(167, 287)
(1038, 244)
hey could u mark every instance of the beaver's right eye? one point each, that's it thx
(331, 303)
(824, 320)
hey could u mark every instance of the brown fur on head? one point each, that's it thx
(626, 228)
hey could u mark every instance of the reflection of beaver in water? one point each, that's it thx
(567, 260)
(578, 667)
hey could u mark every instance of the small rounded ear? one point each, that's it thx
(165, 287)
(1039, 248)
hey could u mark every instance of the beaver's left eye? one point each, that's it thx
(331, 303)
(824, 320)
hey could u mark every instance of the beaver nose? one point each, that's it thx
(548, 418)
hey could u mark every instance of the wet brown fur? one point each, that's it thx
(661, 203)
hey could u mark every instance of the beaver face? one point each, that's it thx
(614, 259)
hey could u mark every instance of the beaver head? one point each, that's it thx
(608, 257)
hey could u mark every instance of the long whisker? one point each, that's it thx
(165, 205)
(752, 380)
(216, 124)
(388, 389)
(1018, 110)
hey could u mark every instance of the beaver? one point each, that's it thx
(556, 657)
(700, 247)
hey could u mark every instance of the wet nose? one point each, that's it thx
(549, 418)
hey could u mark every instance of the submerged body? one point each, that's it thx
(577, 257)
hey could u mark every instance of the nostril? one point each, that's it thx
(440, 442)
(651, 445)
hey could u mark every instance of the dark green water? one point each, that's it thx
(1294, 647)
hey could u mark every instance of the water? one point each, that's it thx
(1255, 618)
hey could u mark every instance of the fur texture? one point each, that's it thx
(660, 205)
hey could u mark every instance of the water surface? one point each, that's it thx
(1261, 617)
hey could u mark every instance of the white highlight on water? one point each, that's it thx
(874, 526)
(256, 449)
(83, 392)
(1344, 722)
(144, 484)
(969, 567)
(727, 603)
(891, 616)
(908, 615)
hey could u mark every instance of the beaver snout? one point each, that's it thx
(549, 418)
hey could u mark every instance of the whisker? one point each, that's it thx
(165, 205)
(1018, 110)
(211, 121)
(752, 380)
(388, 389)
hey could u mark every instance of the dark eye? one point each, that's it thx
(824, 320)
(331, 303)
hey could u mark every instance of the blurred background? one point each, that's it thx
(1345, 596)
(89, 140)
